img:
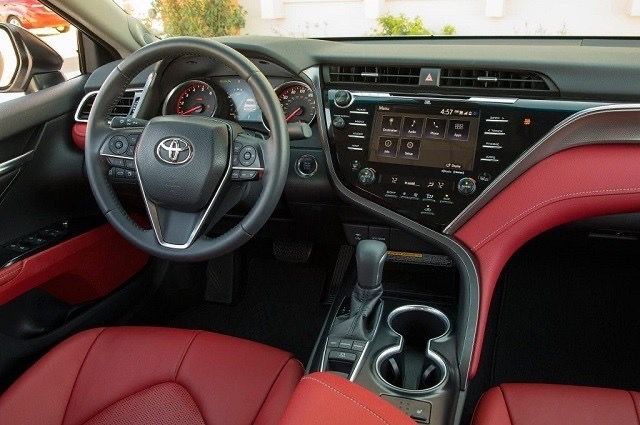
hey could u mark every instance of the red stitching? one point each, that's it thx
(347, 397)
(551, 201)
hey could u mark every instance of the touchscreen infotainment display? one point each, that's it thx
(438, 138)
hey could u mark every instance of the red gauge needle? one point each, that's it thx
(294, 114)
(193, 109)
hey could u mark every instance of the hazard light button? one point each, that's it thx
(430, 76)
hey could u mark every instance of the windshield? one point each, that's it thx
(368, 18)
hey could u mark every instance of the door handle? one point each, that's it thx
(15, 163)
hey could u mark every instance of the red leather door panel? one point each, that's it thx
(82, 268)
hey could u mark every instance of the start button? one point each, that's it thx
(306, 166)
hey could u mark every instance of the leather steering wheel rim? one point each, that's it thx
(275, 150)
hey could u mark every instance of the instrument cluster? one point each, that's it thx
(231, 98)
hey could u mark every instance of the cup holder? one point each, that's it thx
(411, 366)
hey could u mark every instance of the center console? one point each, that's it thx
(425, 158)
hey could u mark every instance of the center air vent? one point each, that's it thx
(492, 79)
(399, 75)
(496, 80)
(125, 106)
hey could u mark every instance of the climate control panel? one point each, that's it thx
(428, 158)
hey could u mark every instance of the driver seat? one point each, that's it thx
(134, 375)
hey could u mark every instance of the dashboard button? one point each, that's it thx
(306, 166)
(484, 177)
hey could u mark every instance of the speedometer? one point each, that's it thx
(192, 98)
(298, 102)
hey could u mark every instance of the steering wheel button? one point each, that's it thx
(118, 145)
(236, 148)
(248, 174)
(118, 162)
(247, 156)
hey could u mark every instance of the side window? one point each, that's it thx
(48, 26)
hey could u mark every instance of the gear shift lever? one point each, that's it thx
(370, 257)
(365, 299)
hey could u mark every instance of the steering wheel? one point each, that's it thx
(191, 170)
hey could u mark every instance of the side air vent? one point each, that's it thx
(398, 75)
(125, 106)
(492, 79)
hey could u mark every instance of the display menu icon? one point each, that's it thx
(409, 149)
(412, 127)
(435, 128)
(458, 130)
(391, 124)
(388, 147)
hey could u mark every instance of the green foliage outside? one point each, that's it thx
(403, 25)
(200, 18)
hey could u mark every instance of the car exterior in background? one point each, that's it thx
(31, 14)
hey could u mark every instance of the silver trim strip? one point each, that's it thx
(15, 163)
(506, 100)
(395, 349)
(469, 278)
(95, 93)
(569, 133)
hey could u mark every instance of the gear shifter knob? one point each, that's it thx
(370, 257)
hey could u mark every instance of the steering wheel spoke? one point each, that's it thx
(176, 229)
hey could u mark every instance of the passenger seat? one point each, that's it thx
(545, 404)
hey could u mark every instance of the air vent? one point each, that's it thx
(125, 106)
(398, 75)
(492, 79)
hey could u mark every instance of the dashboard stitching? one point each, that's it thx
(566, 196)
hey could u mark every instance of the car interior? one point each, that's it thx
(253, 229)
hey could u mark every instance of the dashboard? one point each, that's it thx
(426, 129)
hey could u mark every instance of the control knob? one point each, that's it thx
(367, 176)
(338, 122)
(342, 98)
(467, 186)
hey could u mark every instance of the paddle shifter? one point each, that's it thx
(351, 332)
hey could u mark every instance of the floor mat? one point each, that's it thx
(280, 305)
(570, 314)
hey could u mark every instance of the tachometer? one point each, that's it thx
(298, 102)
(192, 98)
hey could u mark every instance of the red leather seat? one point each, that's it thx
(542, 404)
(153, 376)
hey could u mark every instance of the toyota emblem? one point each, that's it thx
(174, 151)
